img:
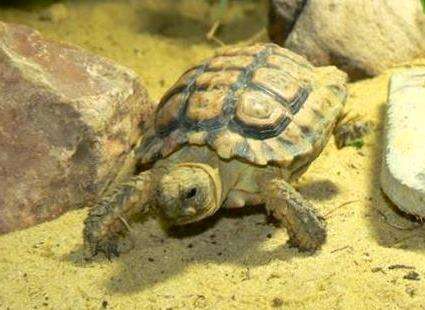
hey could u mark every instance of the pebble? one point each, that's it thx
(403, 164)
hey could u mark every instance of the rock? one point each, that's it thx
(361, 37)
(403, 168)
(282, 17)
(55, 13)
(67, 121)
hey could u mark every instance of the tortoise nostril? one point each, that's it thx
(191, 193)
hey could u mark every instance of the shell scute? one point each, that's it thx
(167, 116)
(226, 142)
(290, 57)
(257, 110)
(184, 79)
(211, 79)
(279, 84)
(230, 62)
(206, 105)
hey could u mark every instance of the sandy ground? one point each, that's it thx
(373, 258)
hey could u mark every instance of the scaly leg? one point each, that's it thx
(109, 217)
(306, 228)
(350, 130)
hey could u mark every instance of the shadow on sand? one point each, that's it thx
(391, 227)
(230, 237)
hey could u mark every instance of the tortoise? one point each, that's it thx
(232, 131)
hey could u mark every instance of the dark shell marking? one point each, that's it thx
(262, 104)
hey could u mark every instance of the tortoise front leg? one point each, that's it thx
(108, 218)
(306, 228)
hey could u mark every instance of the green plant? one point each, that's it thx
(423, 5)
(358, 143)
(223, 6)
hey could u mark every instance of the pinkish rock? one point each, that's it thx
(67, 121)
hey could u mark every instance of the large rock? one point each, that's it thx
(362, 37)
(67, 121)
(403, 164)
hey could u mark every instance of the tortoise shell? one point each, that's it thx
(262, 104)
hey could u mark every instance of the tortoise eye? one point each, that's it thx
(191, 193)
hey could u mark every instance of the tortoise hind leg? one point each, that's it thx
(306, 228)
(109, 217)
(350, 130)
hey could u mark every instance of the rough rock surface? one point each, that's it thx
(362, 37)
(403, 165)
(67, 121)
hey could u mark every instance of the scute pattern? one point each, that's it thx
(263, 104)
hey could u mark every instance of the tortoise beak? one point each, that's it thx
(191, 211)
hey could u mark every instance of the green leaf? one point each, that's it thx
(423, 5)
(358, 143)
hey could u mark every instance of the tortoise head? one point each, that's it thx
(188, 193)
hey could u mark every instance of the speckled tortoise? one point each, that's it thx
(232, 131)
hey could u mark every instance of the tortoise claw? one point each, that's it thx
(108, 248)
